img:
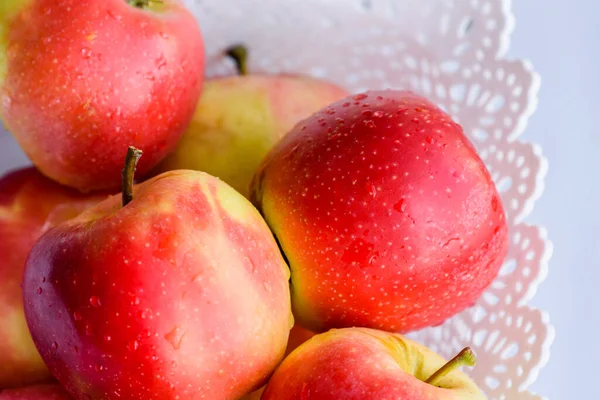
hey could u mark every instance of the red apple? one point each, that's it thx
(298, 335)
(240, 118)
(388, 217)
(29, 204)
(81, 80)
(179, 294)
(360, 364)
(41, 392)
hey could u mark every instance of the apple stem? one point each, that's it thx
(239, 54)
(465, 357)
(131, 160)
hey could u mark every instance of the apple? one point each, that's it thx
(40, 392)
(174, 291)
(298, 335)
(256, 395)
(29, 204)
(361, 363)
(385, 212)
(81, 80)
(239, 119)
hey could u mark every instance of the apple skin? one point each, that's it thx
(385, 212)
(361, 363)
(181, 293)
(298, 335)
(29, 204)
(81, 80)
(239, 119)
(40, 392)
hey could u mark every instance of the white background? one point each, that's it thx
(562, 39)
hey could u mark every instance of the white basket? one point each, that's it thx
(452, 51)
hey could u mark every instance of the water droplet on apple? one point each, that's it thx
(371, 189)
(86, 52)
(372, 259)
(378, 114)
(107, 338)
(95, 301)
(39, 290)
(77, 316)
(400, 206)
(359, 252)
(114, 16)
(161, 62)
(361, 96)
(43, 279)
(252, 265)
(175, 337)
(369, 124)
(346, 105)
(99, 368)
(267, 286)
(88, 330)
(54, 345)
(133, 345)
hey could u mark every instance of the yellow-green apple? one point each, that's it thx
(40, 392)
(298, 335)
(361, 363)
(81, 80)
(387, 215)
(29, 204)
(179, 293)
(239, 119)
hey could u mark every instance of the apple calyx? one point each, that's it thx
(142, 4)
(128, 174)
(239, 54)
(466, 357)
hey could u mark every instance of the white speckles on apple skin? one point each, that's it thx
(383, 214)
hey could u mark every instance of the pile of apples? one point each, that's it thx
(323, 226)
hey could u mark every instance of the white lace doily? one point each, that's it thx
(452, 51)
